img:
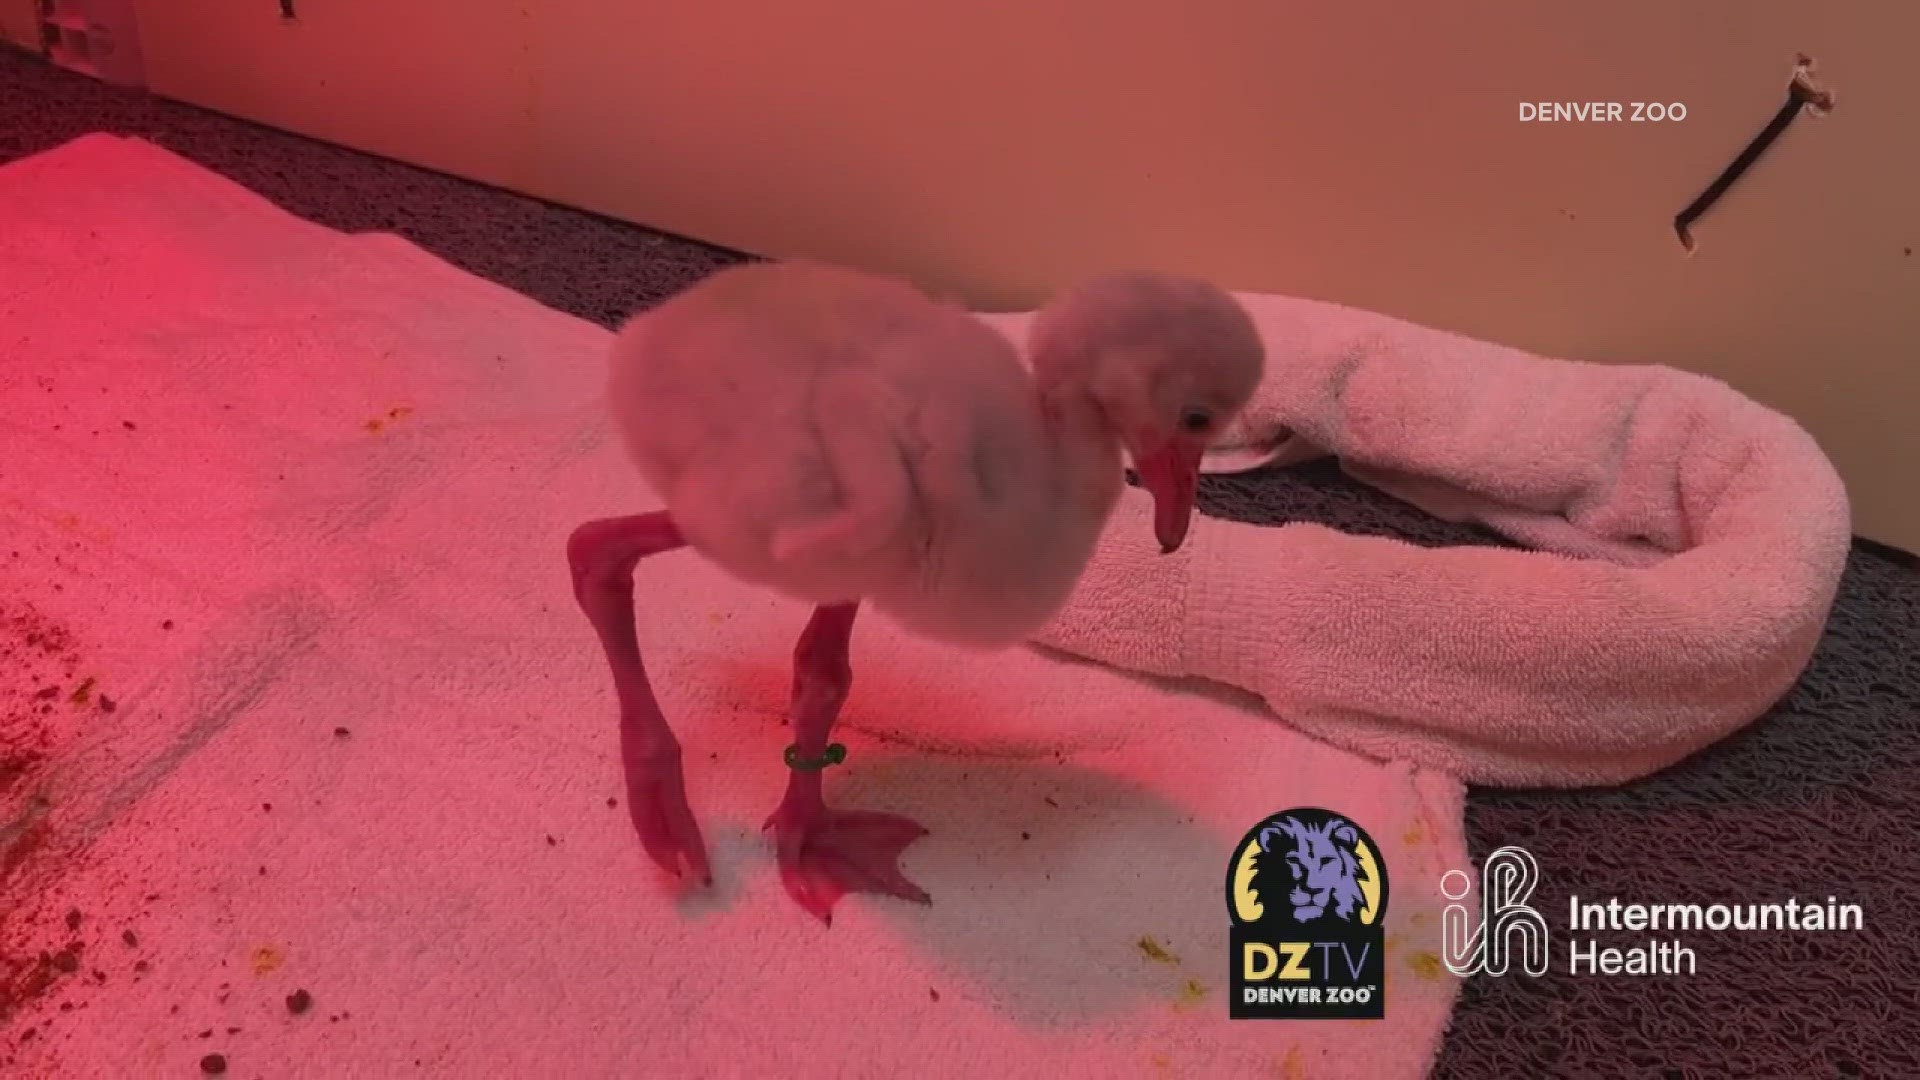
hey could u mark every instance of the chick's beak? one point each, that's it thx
(1170, 473)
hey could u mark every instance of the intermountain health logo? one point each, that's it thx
(1308, 896)
(1502, 929)
(1505, 924)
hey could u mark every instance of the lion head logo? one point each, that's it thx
(1326, 866)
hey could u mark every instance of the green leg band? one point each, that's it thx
(835, 754)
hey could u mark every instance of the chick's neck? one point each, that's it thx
(1086, 447)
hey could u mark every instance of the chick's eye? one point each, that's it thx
(1196, 420)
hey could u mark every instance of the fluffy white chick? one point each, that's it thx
(842, 438)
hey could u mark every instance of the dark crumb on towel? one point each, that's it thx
(131, 939)
(128, 424)
(932, 993)
(140, 967)
(13, 768)
(207, 1034)
(1026, 836)
(612, 802)
(551, 841)
(1152, 950)
(213, 1064)
(1048, 799)
(25, 981)
(267, 806)
(341, 733)
(166, 624)
(299, 1002)
(107, 704)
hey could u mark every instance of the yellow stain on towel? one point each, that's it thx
(1425, 964)
(65, 522)
(1289, 1067)
(78, 527)
(1192, 993)
(266, 958)
(1161, 1063)
(84, 692)
(1414, 834)
(1153, 950)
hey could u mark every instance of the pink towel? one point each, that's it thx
(266, 481)
(1688, 544)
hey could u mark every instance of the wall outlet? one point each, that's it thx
(100, 38)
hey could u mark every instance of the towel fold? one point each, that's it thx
(1688, 545)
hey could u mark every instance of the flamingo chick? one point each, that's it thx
(841, 438)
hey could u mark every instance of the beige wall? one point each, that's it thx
(20, 23)
(1365, 153)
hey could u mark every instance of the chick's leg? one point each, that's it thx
(823, 853)
(602, 555)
